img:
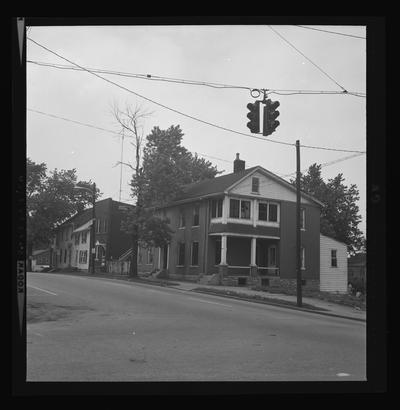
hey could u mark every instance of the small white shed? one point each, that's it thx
(333, 265)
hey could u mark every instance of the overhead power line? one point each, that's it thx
(315, 65)
(104, 129)
(181, 113)
(198, 153)
(331, 32)
(152, 77)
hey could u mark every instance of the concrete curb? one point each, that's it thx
(319, 312)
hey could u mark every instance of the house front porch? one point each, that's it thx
(245, 259)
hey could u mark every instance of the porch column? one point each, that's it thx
(159, 259)
(223, 249)
(223, 267)
(253, 265)
(253, 251)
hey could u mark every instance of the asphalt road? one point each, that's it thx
(93, 329)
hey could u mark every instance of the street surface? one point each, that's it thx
(97, 329)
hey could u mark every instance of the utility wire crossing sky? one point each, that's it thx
(298, 64)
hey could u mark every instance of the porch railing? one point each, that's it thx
(268, 271)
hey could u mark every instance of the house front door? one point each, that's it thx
(165, 257)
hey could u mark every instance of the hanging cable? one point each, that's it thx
(319, 68)
(331, 32)
(179, 112)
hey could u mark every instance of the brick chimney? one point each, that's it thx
(238, 164)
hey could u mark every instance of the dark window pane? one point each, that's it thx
(219, 210)
(181, 256)
(234, 208)
(195, 253)
(255, 183)
(273, 212)
(263, 212)
(333, 259)
(245, 209)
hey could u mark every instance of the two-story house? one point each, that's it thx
(71, 247)
(240, 228)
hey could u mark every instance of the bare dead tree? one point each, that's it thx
(130, 120)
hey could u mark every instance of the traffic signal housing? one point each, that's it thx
(254, 117)
(270, 115)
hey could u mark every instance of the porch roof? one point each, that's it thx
(244, 230)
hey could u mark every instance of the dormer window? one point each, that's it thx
(255, 185)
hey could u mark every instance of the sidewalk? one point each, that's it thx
(328, 308)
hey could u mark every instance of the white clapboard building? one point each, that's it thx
(333, 265)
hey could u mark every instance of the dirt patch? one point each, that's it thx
(45, 312)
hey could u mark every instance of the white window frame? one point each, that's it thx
(268, 222)
(249, 219)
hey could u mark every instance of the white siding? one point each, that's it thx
(268, 189)
(333, 279)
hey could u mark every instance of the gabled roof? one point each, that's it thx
(215, 185)
(219, 185)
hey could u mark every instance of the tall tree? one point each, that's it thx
(340, 217)
(168, 166)
(160, 176)
(50, 200)
(144, 227)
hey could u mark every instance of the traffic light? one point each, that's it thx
(254, 117)
(270, 115)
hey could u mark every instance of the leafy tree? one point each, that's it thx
(166, 167)
(50, 200)
(340, 217)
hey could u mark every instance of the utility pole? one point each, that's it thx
(92, 239)
(298, 235)
(122, 159)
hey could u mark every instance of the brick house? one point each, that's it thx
(71, 245)
(239, 228)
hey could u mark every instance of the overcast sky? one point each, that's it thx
(249, 56)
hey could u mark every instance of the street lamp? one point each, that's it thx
(92, 241)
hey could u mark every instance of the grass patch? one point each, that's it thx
(340, 299)
(261, 298)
